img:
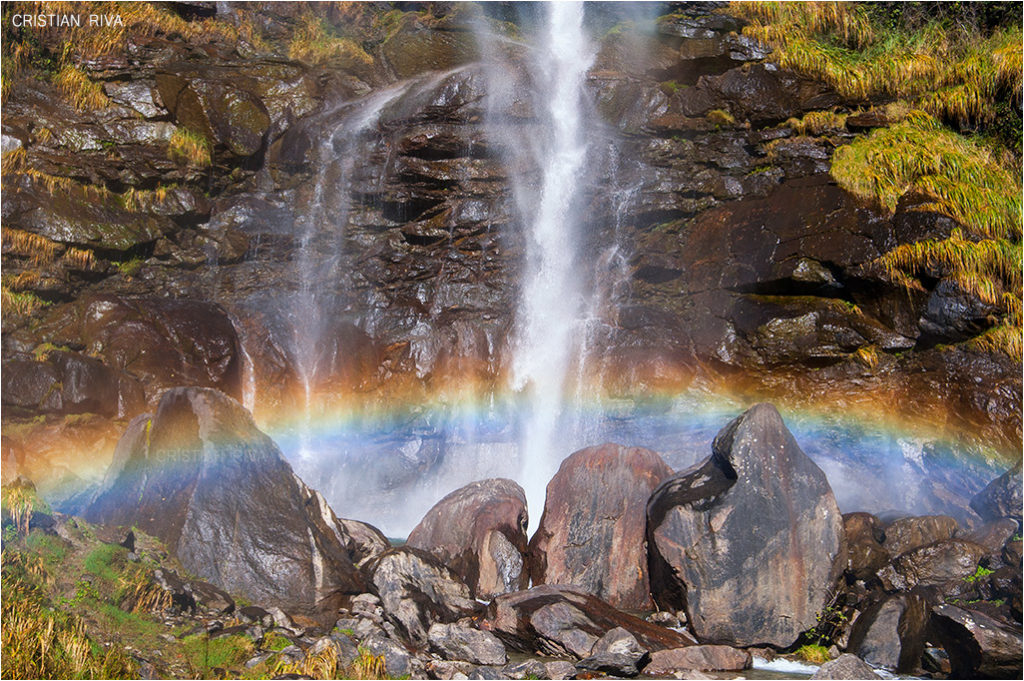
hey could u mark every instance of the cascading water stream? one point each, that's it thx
(314, 303)
(550, 299)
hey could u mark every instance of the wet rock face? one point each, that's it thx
(865, 553)
(560, 620)
(479, 531)
(756, 524)
(906, 534)
(592, 533)
(70, 383)
(164, 343)
(201, 477)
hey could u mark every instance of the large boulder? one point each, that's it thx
(979, 646)
(479, 531)
(1001, 498)
(417, 591)
(747, 541)
(698, 658)
(846, 666)
(561, 620)
(592, 533)
(891, 632)
(201, 477)
(455, 642)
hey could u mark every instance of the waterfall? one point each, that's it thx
(314, 306)
(550, 300)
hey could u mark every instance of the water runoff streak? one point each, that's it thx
(550, 299)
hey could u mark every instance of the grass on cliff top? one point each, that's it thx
(947, 66)
(965, 181)
(315, 42)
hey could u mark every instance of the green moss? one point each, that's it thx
(105, 561)
(979, 573)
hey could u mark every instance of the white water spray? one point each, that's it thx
(550, 302)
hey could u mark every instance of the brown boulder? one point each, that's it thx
(592, 533)
(938, 564)
(865, 554)
(706, 658)
(479, 531)
(911, 533)
(979, 647)
(560, 620)
(890, 633)
(749, 541)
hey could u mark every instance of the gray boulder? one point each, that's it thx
(748, 541)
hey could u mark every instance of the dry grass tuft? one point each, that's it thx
(818, 122)
(189, 147)
(40, 250)
(83, 93)
(315, 43)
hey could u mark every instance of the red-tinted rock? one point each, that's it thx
(592, 533)
(479, 531)
(749, 541)
(938, 564)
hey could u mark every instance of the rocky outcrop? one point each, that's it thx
(865, 554)
(755, 526)
(479, 531)
(592, 533)
(417, 591)
(456, 642)
(1001, 498)
(560, 620)
(201, 477)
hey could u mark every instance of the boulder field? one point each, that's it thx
(744, 556)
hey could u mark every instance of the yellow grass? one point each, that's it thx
(82, 92)
(947, 73)
(315, 43)
(189, 147)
